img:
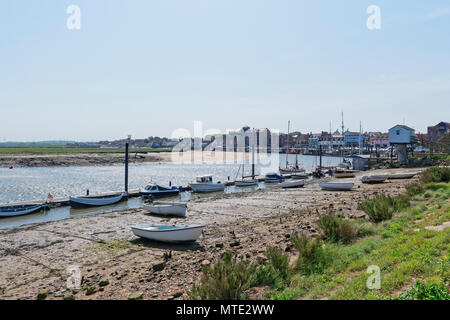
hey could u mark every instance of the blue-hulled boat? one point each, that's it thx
(157, 191)
(19, 210)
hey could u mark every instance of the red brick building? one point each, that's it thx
(436, 132)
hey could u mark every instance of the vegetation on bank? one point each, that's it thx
(404, 237)
(71, 150)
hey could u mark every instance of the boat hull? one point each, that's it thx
(167, 209)
(170, 234)
(246, 183)
(336, 186)
(207, 187)
(374, 179)
(401, 176)
(14, 211)
(160, 194)
(83, 202)
(292, 184)
(344, 175)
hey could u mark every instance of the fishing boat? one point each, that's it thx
(167, 208)
(204, 184)
(406, 175)
(98, 201)
(273, 178)
(374, 179)
(336, 186)
(158, 191)
(20, 210)
(169, 233)
(292, 184)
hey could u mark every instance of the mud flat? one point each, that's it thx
(68, 160)
(115, 264)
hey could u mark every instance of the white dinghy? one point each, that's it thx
(169, 233)
(292, 184)
(406, 175)
(167, 208)
(336, 186)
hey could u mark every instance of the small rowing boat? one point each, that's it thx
(169, 233)
(406, 175)
(87, 201)
(292, 184)
(20, 210)
(167, 208)
(374, 179)
(336, 186)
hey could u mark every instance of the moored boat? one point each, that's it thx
(204, 184)
(246, 183)
(158, 191)
(169, 233)
(97, 201)
(298, 176)
(336, 186)
(292, 184)
(273, 178)
(20, 210)
(167, 208)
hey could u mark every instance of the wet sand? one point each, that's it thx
(68, 160)
(115, 264)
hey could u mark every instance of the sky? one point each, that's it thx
(148, 68)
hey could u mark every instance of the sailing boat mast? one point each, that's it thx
(287, 150)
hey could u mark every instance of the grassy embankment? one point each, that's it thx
(66, 150)
(405, 236)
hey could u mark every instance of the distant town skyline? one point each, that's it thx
(148, 68)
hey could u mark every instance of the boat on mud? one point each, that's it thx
(374, 179)
(167, 208)
(273, 177)
(336, 186)
(292, 184)
(169, 233)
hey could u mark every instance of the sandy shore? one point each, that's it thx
(115, 264)
(68, 160)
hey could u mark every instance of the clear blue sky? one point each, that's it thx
(148, 67)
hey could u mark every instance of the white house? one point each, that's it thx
(401, 134)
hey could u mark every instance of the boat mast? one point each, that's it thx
(287, 149)
(253, 155)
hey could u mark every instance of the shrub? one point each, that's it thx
(436, 174)
(275, 273)
(382, 207)
(226, 280)
(311, 255)
(422, 291)
(279, 260)
(415, 189)
(337, 229)
(379, 208)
